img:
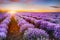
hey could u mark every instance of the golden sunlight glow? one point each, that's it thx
(12, 12)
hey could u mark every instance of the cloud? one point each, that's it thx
(55, 6)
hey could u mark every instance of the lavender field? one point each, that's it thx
(30, 26)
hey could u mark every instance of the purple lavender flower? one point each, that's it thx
(27, 19)
(37, 22)
(35, 34)
(3, 30)
(3, 26)
(51, 26)
(2, 35)
(26, 26)
(43, 24)
(21, 22)
(57, 31)
(6, 21)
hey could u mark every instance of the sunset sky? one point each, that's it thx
(31, 5)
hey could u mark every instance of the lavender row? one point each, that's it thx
(4, 27)
(46, 25)
(3, 16)
(23, 24)
(35, 34)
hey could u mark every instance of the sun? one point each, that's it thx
(12, 12)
